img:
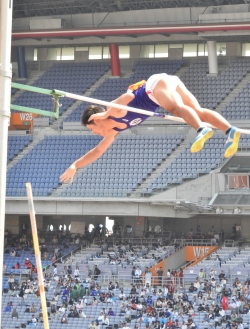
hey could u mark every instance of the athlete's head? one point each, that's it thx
(98, 127)
(90, 110)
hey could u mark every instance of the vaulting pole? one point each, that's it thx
(37, 255)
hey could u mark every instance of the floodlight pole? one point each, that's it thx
(6, 7)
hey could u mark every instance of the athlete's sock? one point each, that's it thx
(200, 129)
(228, 130)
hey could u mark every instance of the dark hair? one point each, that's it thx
(91, 109)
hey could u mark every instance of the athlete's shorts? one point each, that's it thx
(171, 80)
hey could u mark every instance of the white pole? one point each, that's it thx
(212, 57)
(5, 88)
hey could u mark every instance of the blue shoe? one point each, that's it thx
(199, 141)
(232, 142)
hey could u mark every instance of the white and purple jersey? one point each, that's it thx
(141, 101)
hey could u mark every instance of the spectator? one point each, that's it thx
(197, 284)
(14, 314)
(212, 273)
(82, 314)
(97, 325)
(150, 319)
(206, 318)
(232, 306)
(64, 299)
(105, 320)
(74, 294)
(33, 309)
(94, 302)
(192, 288)
(148, 277)
(111, 312)
(222, 275)
(61, 309)
(162, 320)
(11, 280)
(13, 253)
(77, 272)
(201, 275)
(17, 266)
(218, 259)
(222, 314)
(64, 319)
(138, 274)
(97, 272)
(133, 275)
(160, 274)
(33, 321)
(69, 270)
(111, 286)
(92, 325)
(125, 326)
(181, 275)
(8, 308)
(55, 269)
(27, 263)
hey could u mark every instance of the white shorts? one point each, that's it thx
(171, 80)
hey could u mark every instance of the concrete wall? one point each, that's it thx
(97, 207)
(233, 48)
(135, 17)
(198, 188)
(12, 224)
(175, 261)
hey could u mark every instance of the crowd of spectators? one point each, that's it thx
(155, 307)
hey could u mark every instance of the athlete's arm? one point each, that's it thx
(89, 157)
(124, 99)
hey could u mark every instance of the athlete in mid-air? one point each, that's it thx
(162, 90)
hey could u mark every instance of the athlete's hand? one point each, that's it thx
(100, 116)
(68, 174)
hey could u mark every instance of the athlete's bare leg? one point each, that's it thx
(172, 101)
(205, 115)
(181, 102)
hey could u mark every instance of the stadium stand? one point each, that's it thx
(16, 144)
(123, 303)
(238, 108)
(49, 158)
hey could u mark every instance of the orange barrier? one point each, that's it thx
(23, 120)
(197, 253)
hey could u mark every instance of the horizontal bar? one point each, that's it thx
(32, 110)
(121, 107)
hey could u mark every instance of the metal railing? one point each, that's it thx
(194, 242)
(158, 238)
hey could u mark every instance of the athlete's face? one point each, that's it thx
(98, 128)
